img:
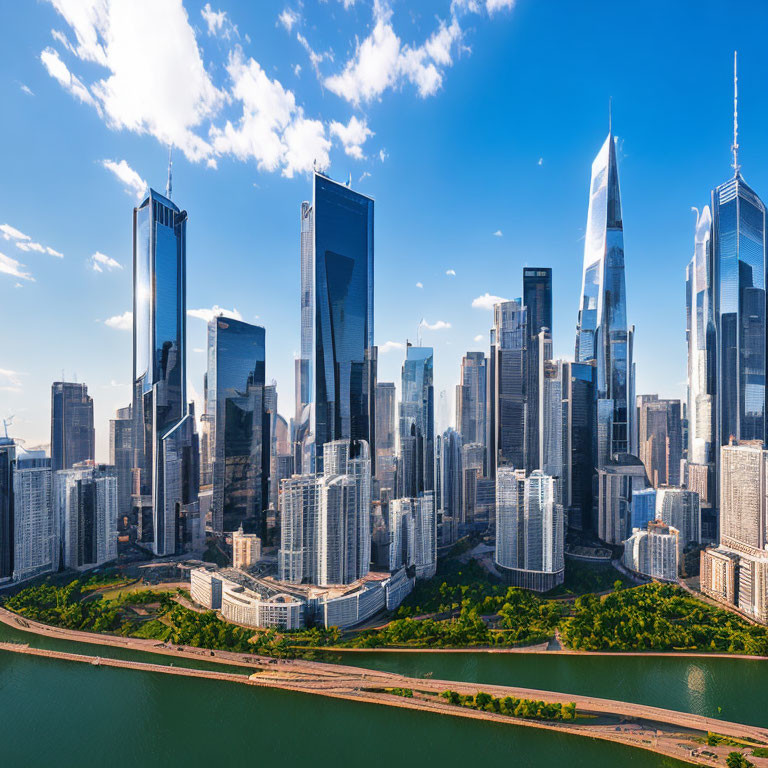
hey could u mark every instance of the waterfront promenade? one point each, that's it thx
(659, 730)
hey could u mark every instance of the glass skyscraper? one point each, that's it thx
(417, 421)
(701, 338)
(72, 434)
(739, 257)
(602, 333)
(7, 459)
(338, 359)
(241, 425)
(507, 387)
(471, 398)
(166, 449)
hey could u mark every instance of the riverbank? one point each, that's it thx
(657, 730)
(665, 732)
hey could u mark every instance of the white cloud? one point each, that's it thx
(419, 285)
(540, 161)
(364, 175)
(352, 135)
(272, 129)
(498, 233)
(100, 261)
(10, 381)
(26, 89)
(122, 322)
(479, 337)
(59, 71)
(347, 4)
(487, 301)
(25, 243)
(9, 266)
(218, 23)
(147, 48)
(28, 245)
(288, 18)
(130, 179)
(383, 155)
(498, 5)
(315, 58)
(297, 70)
(10, 232)
(450, 272)
(382, 62)
(437, 326)
(214, 311)
(389, 346)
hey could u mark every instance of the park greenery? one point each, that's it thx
(658, 617)
(511, 706)
(460, 608)
(156, 615)
(737, 760)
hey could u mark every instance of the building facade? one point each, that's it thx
(337, 315)
(239, 402)
(660, 439)
(471, 396)
(166, 447)
(602, 333)
(36, 533)
(72, 434)
(530, 537)
(121, 458)
(653, 551)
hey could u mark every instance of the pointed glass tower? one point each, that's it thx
(602, 334)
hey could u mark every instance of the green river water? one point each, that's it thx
(58, 713)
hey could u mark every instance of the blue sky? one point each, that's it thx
(473, 124)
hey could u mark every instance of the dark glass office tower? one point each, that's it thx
(238, 400)
(337, 313)
(602, 333)
(121, 458)
(537, 298)
(72, 434)
(471, 396)
(166, 447)
(417, 422)
(7, 457)
(507, 387)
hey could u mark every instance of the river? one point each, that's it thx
(59, 713)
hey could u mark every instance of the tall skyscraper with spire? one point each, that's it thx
(166, 450)
(739, 291)
(602, 333)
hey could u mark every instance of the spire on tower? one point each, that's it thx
(610, 115)
(735, 145)
(169, 185)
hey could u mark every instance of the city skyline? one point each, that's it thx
(445, 298)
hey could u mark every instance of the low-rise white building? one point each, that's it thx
(653, 551)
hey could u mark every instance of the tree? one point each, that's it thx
(737, 760)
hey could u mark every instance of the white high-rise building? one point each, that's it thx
(653, 551)
(85, 499)
(530, 545)
(425, 535)
(326, 533)
(401, 533)
(743, 530)
(679, 508)
(36, 548)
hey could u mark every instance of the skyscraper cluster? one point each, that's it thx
(370, 475)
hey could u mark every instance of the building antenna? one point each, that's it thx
(610, 115)
(418, 332)
(169, 185)
(735, 146)
(7, 423)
